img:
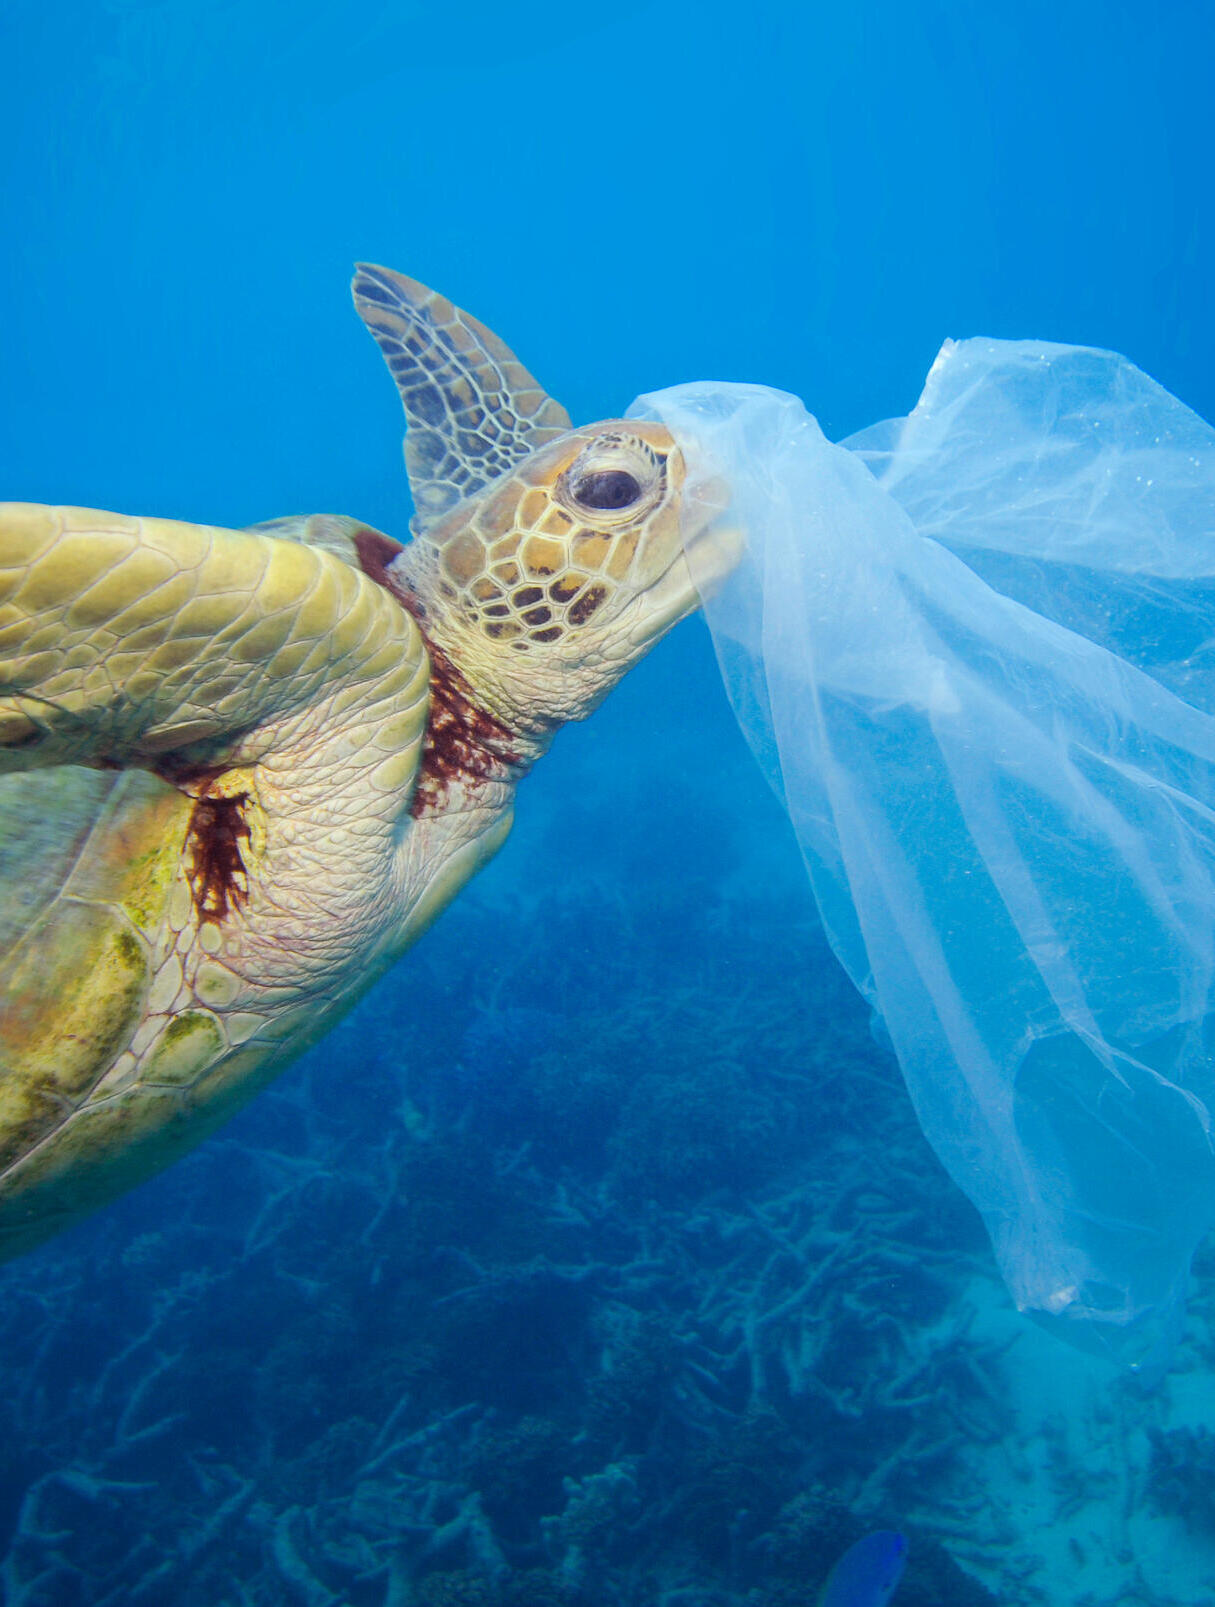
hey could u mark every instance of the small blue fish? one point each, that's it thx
(868, 1572)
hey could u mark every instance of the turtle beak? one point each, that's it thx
(691, 580)
(713, 543)
(713, 554)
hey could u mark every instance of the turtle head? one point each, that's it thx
(548, 586)
(545, 560)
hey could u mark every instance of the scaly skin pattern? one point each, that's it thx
(242, 771)
(221, 911)
(469, 402)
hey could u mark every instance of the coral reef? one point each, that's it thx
(646, 1295)
(1182, 1475)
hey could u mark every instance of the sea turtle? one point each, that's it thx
(245, 769)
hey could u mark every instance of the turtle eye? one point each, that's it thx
(606, 489)
(614, 480)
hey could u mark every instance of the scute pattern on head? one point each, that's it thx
(472, 410)
(542, 597)
(530, 562)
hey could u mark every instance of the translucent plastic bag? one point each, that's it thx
(974, 652)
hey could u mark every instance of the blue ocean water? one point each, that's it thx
(597, 1258)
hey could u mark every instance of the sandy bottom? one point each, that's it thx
(1062, 1511)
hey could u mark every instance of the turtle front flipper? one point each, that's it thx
(472, 410)
(155, 643)
(211, 741)
(348, 539)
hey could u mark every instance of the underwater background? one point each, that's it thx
(597, 1258)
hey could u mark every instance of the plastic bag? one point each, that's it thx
(974, 652)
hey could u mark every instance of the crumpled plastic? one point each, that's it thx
(974, 652)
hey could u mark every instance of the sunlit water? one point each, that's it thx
(597, 1258)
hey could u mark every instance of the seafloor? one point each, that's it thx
(594, 1262)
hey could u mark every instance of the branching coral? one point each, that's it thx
(569, 1309)
(1182, 1476)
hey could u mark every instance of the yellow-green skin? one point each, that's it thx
(132, 1021)
(241, 771)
